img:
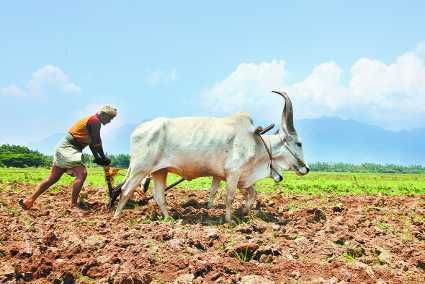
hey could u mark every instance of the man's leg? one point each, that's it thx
(54, 176)
(80, 174)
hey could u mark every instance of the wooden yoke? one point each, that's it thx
(260, 131)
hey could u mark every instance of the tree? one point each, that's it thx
(21, 156)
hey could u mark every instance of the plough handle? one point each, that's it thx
(108, 179)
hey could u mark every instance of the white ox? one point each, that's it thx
(225, 148)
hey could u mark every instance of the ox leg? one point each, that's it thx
(250, 199)
(160, 178)
(128, 188)
(144, 186)
(213, 191)
(231, 184)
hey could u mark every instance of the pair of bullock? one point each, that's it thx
(225, 148)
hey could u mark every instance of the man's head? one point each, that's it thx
(106, 114)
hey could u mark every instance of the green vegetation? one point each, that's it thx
(163, 219)
(120, 160)
(347, 183)
(316, 183)
(244, 255)
(350, 258)
(366, 168)
(21, 156)
(18, 164)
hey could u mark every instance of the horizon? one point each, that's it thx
(355, 143)
(315, 163)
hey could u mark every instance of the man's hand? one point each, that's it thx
(106, 161)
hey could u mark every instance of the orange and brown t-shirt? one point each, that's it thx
(87, 131)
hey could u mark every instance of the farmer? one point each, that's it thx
(68, 155)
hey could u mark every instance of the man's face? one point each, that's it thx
(104, 118)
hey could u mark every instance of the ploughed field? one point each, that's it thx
(320, 228)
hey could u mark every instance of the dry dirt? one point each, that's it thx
(285, 239)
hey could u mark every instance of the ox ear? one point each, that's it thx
(285, 136)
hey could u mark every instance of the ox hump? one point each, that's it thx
(243, 119)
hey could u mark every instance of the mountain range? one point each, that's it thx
(326, 139)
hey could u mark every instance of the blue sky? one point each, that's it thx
(362, 60)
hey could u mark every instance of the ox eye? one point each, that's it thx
(298, 144)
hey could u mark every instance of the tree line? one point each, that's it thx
(22, 156)
(366, 168)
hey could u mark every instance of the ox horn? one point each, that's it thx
(287, 121)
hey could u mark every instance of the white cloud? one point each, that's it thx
(389, 95)
(42, 80)
(11, 90)
(51, 76)
(321, 93)
(161, 77)
(392, 95)
(246, 89)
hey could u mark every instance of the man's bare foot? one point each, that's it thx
(26, 203)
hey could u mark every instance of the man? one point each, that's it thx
(68, 155)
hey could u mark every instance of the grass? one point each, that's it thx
(292, 206)
(241, 220)
(163, 219)
(315, 183)
(13, 212)
(86, 279)
(244, 256)
(29, 225)
(383, 226)
(350, 258)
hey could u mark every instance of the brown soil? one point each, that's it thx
(285, 239)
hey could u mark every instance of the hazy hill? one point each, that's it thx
(324, 139)
(337, 140)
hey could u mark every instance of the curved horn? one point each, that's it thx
(287, 121)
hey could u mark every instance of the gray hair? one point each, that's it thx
(108, 110)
